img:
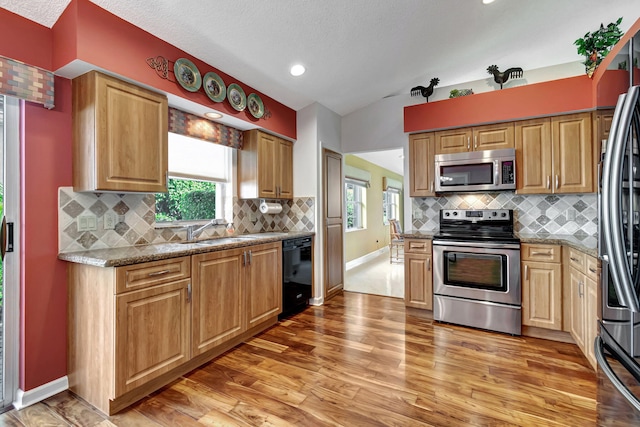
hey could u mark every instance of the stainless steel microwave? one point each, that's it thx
(488, 170)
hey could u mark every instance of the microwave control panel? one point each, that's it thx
(508, 172)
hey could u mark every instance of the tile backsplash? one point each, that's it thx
(135, 220)
(533, 213)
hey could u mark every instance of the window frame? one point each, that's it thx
(393, 205)
(358, 203)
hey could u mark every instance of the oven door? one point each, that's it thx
(479, 271)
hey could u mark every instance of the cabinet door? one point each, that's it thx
(285, 169)
(576, 327)
(418, 281)
(542, 295)
(421, 165)
(591, 320)
(218, 298)
(453, 141)
(601, 127)
(152, 333)
(263, 283)
(493, 137)
(572, 153)
(267, 165)
(533, 156)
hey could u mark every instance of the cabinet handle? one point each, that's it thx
(475, 141)
(574, 259)
(526, 272)
(580, 285)
(432, 186)
(244, 258)
(417, 246)
(428, 264)
(533, 253)
(592, 270)
(250, 258)
(189, 292)
(468, 143)
(548, 182)
(557, 181)
(158, 273)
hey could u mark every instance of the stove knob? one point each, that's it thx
(504, 214)
(494, 213)
(455, 213)
(446, 214)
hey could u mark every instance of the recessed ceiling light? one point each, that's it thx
(297, 70)
(487, 1)
(213, 115)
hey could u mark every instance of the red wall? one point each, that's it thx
(46, 165)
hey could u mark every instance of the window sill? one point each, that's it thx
(351, 230)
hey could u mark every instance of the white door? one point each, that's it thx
(9, 239)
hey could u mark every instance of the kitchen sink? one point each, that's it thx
(219, 241)
(266, 235)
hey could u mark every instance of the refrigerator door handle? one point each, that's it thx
(612, 203)
(606, 368)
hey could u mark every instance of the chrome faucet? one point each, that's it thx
(193, 232)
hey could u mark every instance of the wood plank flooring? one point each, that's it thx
(360, 360)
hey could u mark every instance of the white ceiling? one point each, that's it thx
(359, 51)
(389, 159)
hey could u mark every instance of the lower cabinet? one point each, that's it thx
(541, 286)
(135, 328)
(418, 275)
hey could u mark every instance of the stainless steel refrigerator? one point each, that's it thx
(618, 345)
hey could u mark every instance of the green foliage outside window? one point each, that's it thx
(186, 200)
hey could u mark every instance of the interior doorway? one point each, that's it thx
(9, 248)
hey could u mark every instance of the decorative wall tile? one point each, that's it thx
(138, 226)
(533, 213)
(198, 127)
(26, 82)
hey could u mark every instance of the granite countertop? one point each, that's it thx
(588, 245)
(116, 257)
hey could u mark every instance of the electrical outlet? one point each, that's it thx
(417, 214)
(87, 222)
(571, 215)
(109, 220)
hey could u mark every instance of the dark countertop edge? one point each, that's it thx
(527, 238)
(101, 258)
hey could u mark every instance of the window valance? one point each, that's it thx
(390, 184)
(26, 82)
(357, 176)
(193, 126)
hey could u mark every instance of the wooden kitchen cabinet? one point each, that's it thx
(120, 134)
(418, 274)
(488, 137)
(541, 286)
(233, 291)
(602, 120)
(583, 301)
(265, 167)
(554, 155)
(421, 165)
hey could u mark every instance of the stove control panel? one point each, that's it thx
(476, 214)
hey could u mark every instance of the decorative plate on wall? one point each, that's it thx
(187, 74)
(255, 105)
(236, 97)
(214, 87)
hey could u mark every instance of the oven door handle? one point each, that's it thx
(477, 244)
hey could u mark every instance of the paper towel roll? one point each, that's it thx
(270, 208)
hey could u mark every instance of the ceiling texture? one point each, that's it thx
(359, 51)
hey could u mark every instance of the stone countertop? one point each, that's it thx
(588, 245)
(116, 257)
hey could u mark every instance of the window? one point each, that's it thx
(390, 203)
(198, 171)
(355, 195)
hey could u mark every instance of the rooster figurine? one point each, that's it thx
(425, 91)
(500, 78)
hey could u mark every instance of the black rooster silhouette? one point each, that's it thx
(425, 91)
(500, 78)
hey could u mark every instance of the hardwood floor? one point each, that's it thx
(360, 360)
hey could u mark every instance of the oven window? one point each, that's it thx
(480, 271)
(468, 174)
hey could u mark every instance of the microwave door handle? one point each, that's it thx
(496, 172)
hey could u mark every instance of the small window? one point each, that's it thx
(355, 196)
(390, 205)
(198, 172)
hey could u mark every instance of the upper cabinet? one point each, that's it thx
(119, 136)
(265, 167)
(489, 137)
(554, 155)
(421, 165)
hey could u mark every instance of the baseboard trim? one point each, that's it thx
(35, 395)
(365, 258)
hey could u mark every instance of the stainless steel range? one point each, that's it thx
(476, 275)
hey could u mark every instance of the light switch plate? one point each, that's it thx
(109, 220)
(87, 222)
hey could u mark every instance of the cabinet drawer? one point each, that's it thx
(147, 274)
(417, 246)
(535, 252)
(577, 260)
(591, 269)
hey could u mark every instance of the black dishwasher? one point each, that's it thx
(297, 274)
